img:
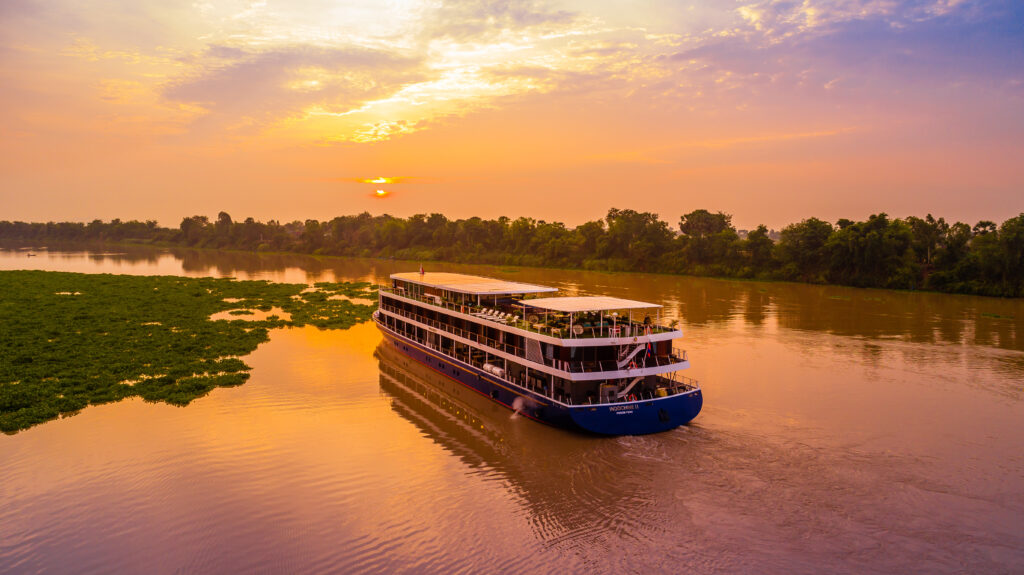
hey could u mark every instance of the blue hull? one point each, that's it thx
(632, 418)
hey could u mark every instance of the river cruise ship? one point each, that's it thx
(598, 364)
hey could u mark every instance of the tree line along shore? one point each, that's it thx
(883, 252)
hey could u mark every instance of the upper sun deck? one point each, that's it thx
(468, 284)
(579, 316)
(578, 304)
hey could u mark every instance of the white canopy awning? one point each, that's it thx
(475, 285)
(585, 303)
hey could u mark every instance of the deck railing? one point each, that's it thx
(640, 361)
(667, 384)
(558, 329)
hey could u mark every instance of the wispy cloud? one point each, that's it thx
(264, 86)
(852, 48)
(489, 20)
(370, 84)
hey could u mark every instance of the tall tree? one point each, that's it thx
(710, 237)
(802, 251)
(760, 248)
(639, 238)
(193, 229)
(1011, 248)
(927, 234)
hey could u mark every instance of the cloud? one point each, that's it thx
(234, 83)
(371, 71)
(19, 9)
(376, 180)
(776, 18)
(477, 19)
(448, 62)
(218, 51)
(882, 47)
(539, 78)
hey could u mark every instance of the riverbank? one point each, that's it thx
(273, 260)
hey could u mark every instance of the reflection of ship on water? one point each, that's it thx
(571, 483)
(476, 429)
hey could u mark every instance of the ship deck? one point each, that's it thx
(672, 383)
(555, 323)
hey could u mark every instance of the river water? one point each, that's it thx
(843, 431)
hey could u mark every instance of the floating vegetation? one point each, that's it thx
(142, 336)
(249, 315)
(996, 316)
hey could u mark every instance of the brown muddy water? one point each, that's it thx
(843, 431)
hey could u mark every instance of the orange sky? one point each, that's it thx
(771, 111)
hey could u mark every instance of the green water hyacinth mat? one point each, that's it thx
(69, 340)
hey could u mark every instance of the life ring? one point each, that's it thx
(631, 397)
(632, 365)
(634, 339)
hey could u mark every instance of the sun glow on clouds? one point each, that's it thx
(357, 72)
(369, 72)
(507, 93)
(380, 193)
(459, 78)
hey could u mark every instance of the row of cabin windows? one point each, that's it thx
(516, 373)
(549, 351)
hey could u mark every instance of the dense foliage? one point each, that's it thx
(909, 253)
(70, 340)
